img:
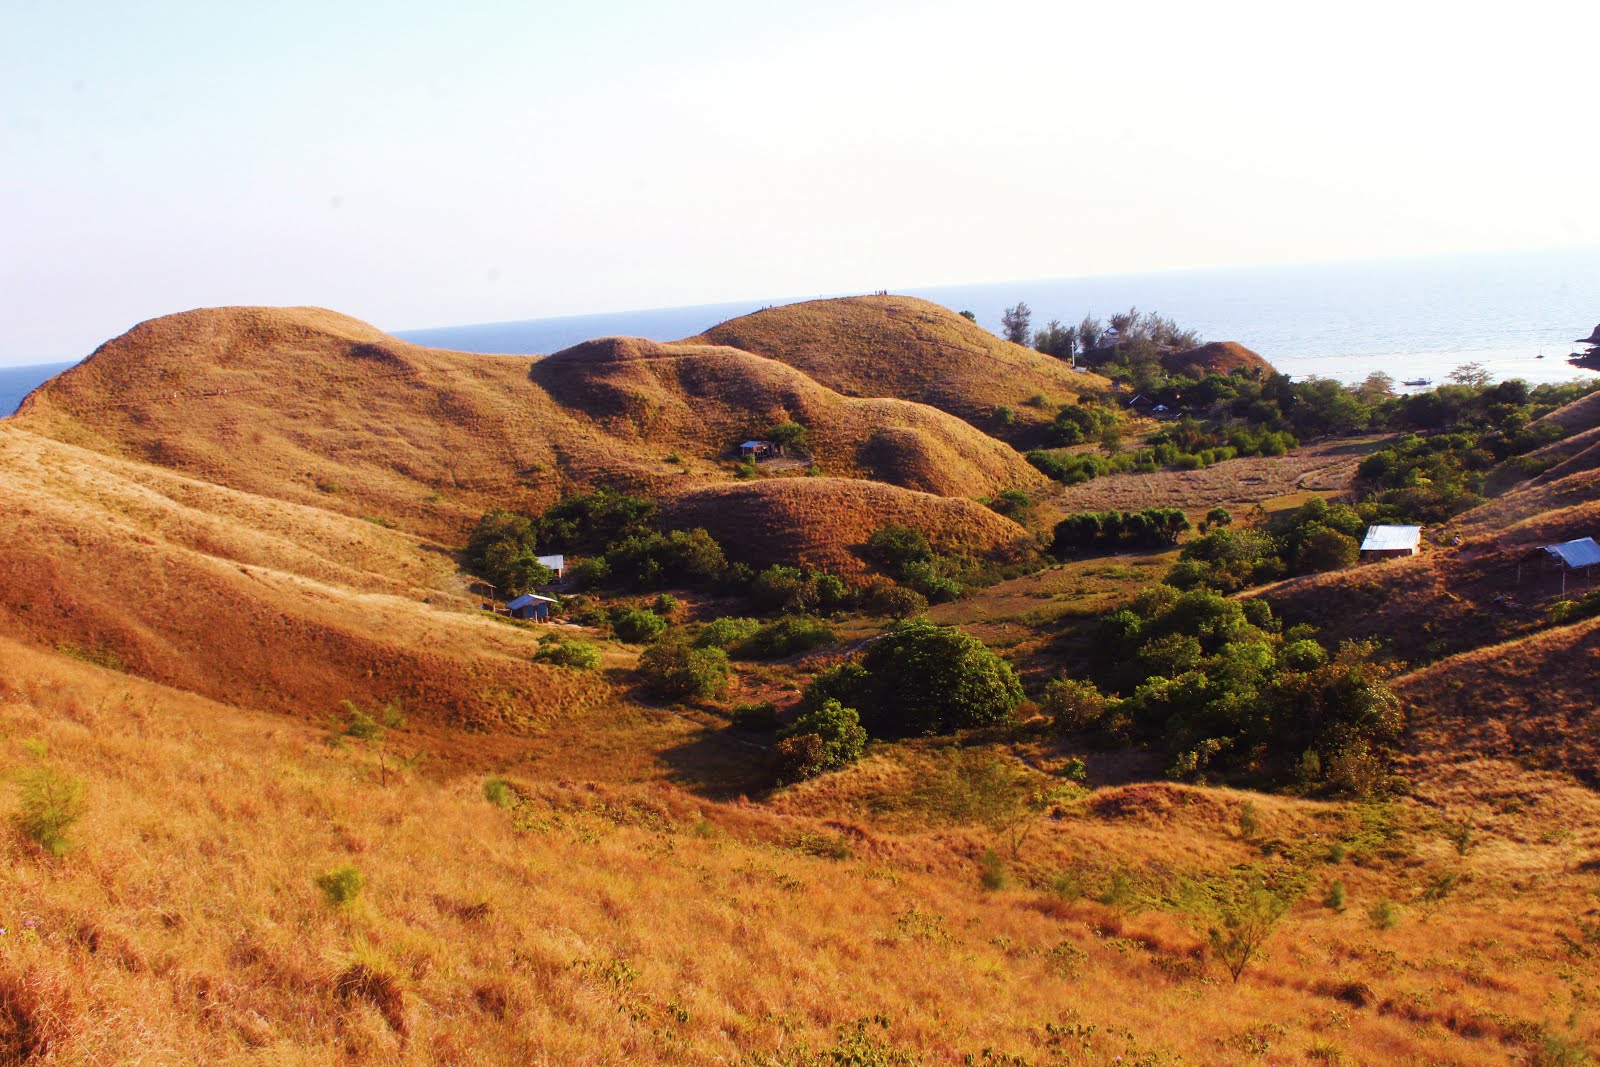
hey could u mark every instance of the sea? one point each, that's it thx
(1515, 313)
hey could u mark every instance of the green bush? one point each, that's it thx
(726, 632)
(674, 670)
(502, 549)
(923, 679)
(1073, 705)
(637, 626)
(784, 637)
(578, 655)
(48, 804)
(654, 560)
(825, 738)
(591, 573)
(342, 885)
(898, 602)
(499, 792)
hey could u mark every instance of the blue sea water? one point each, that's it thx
(1408, 317)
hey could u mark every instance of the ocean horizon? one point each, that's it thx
(1516, 313)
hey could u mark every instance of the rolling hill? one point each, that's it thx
(903, 347)
(315, 408)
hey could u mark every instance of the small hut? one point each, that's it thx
(557, 563)
(1577, 555)
(1384, 542)
(530, 606)
(758, 449)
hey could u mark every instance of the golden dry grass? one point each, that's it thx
(314, 408)
(904, 347)
(825, 522)
(608, 923)
(1215, 357)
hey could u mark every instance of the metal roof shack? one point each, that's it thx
(1391, 540)
(1575, 555)
(530, 606)
(557, 563)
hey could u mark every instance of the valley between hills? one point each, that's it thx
(990, 710)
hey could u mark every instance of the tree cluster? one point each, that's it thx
(1152, 527)
(1224, 691)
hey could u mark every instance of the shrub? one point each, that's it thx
(790, 589)
(1246, 926)
(898, 602)
(638, 626)
(1335, 899)
(1073, 705)
(826, 738)
(921, 678)
(993, 870)
(725, 632)
(674, 670)
(651, 560)
(590, 573)
(499, 792)
(578, 655)
(503, 551)
(784, 637)
(1385, 914)
(49, 803)
(342, 885)
(788, 435)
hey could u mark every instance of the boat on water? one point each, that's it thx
(1418, 381)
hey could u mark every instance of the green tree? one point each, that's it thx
(672, 669)
(1015, 323)
(925, 679)
(823, 739)
(787, 435)
(502, 550)
(48, 804)
(1245, 928)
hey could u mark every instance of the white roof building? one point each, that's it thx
(1392, 539)
(1575, 555)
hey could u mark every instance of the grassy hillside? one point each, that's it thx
(914, 349)
(613, 922)
(306, 406)
(253, 600)
(825, 522)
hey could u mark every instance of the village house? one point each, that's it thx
(530, 606)
(1383, 542)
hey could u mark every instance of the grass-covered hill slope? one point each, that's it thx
(235, 889)
(1532, 701)
(904, 347)
(701, 398)
(1214, 357)
(314, 408)
(825, 522)
(253, 600)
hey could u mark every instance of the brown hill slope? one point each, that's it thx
(825, 522)
(311, 407)
(706, 398)
(1214, 357)
(251, 600)
(1532, 701)
(914, 349)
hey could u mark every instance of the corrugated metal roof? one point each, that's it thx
(555, 562)
(1580, 553)
(1391, 538)
(756, 444)
(528, 598)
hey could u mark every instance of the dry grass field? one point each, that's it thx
(605, 920)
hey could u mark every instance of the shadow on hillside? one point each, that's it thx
(720, 764)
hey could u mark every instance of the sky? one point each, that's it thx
(423, 164)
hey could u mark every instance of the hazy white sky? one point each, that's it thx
(419, 164)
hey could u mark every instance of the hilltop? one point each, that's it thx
(914, 349)
(315, 408)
